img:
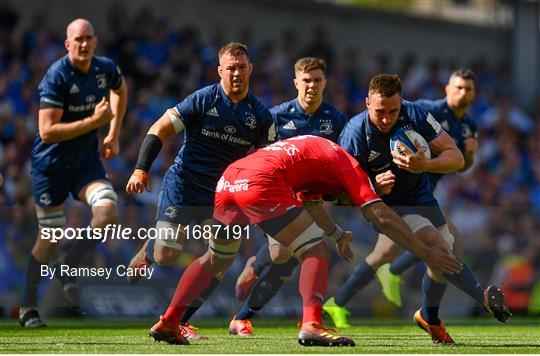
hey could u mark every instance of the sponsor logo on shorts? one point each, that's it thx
(45, 199)
(236, 186)
(171, 211)
(220, 184)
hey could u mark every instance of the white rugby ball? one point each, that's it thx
(407, 138)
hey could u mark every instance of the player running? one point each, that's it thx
(80, 93)
(262, 189)
(221, 123)
(450, 112)
(307, 114)
(366, 137)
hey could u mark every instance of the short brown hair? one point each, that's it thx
(310, 63)
(234, 49)
(463, 73)
(385, 84)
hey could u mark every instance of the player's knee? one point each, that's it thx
(307, 240)
(447, 237)
(224, 251)
(436, 276)
(168, 240)
(279, 253)
(165, 256)
(103, 195)
(215, 262)
(48, 219)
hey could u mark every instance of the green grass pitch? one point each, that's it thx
(272, 336)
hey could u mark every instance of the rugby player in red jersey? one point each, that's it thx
(269, 188)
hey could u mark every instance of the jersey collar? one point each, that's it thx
(300, 109)
(226, 98)
(73, 66)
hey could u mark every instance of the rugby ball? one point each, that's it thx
(406, 138)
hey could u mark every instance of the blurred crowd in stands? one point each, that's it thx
(495, 206)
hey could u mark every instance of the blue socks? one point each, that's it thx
(263, 260)
(433, 294)
(79, 250)
(405, 261)
(266, 287)
(362, 275)
(245, 312)
(466, 281)
(31, 282)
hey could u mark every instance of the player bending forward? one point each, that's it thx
(263, 189)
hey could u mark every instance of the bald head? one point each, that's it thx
(79, 24)
(80, 43)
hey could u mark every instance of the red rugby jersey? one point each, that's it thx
(313, 165)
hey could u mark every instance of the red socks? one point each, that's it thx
(192, 283)
(313, 281)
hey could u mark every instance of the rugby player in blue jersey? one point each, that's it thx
(79, 93)
(307, 114)
(366, 137)
(450, 112)
(221, 123)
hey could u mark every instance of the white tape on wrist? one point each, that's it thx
(337, 234)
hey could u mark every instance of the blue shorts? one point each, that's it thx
(183, 200)
(52, 188)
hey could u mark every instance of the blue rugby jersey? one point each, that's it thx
(292, 120)
(371, 148)
(458, 129)
(66, 87)
(218, 132)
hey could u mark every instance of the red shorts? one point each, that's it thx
(245, 196)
